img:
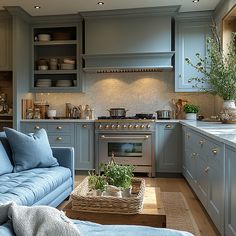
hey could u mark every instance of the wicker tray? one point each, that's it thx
(126, 205)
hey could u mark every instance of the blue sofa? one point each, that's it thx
(39, 186)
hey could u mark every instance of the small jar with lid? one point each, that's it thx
(30, 114)
(37, 114)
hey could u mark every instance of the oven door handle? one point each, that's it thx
(125, 137)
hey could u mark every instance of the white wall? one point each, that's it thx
(137, 92)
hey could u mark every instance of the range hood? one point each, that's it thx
(129, 62)
(134, 40)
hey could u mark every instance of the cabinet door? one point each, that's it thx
(84, 148)
(169, 148)
(230, 191)
(202, 180)
(5, 43)
(190, 39)
(191, 166)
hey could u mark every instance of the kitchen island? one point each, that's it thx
(204, 152)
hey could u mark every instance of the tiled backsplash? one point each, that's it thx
(137, 92)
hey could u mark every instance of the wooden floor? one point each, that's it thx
(202, 219)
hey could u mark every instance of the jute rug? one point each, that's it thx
(177, 211)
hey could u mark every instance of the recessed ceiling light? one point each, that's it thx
(100, 3)
(37, 7)
(195, 1)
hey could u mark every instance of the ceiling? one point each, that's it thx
(59, 7)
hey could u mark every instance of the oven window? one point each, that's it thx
(125, 149)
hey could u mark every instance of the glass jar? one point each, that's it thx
(30, 114)
(37, 114)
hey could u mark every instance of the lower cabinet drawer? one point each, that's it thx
(61, 140)
(33, 127)
(61, 128)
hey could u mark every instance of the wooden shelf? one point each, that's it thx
(55, 42)
(50, 72)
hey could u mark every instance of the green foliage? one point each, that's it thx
(97, 181)
(118, 175)
(218, 69)
(190, 108)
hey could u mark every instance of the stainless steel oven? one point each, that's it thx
(129, 142)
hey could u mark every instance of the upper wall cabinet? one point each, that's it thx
(191, 35)
(128, 39)
(5, 41)
(56, 48)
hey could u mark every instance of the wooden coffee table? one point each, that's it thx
(153, 213)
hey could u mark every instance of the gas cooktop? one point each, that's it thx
(125, 118)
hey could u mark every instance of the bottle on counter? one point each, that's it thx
(37, 114)
(29, 113)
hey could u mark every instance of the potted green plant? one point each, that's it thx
(191, 111)
(218, 70)
(97, 183)
(119, 176)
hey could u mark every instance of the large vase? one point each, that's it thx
(228, 112)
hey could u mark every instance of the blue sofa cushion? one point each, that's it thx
(6, 145)
(5, 164)
(30, 151)
(30, 186)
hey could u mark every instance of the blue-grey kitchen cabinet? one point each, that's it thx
(203, 167)
(79, 135)
(230, 191)
(168, 147)
(5, 41)
(190, 38)
(65, 43)
(84, 147)
(59, 133)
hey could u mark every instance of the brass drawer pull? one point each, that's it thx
(59, 127)
(85, 126)
(207, 169)
(168, 126)
(59, 138)
(214, 151)
(36, 127)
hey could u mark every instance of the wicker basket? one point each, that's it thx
(125, 205)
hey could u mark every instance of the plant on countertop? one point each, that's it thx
(218, 68)
(191, 108)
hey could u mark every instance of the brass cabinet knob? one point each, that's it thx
(168, 126)
(201, 142)
(194, 155)
(207, 169)
(59, 138)
(85, 126)
(36, 127)
(59, 127)
(214, 151)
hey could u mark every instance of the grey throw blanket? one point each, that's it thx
(37, 220)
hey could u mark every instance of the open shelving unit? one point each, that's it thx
(63, 44)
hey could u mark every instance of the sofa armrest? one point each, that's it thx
(65, 158)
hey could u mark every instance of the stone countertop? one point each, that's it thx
(58, 120)
(224, 133)
(168, 121)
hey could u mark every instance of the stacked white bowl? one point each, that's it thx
(44, 83)
(64, 83)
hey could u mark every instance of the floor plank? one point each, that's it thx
(201, 217)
